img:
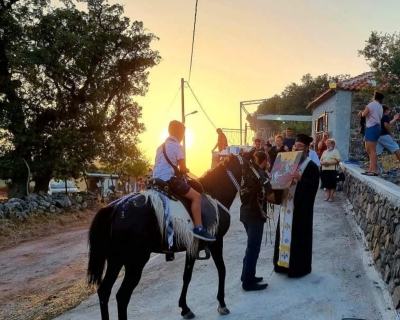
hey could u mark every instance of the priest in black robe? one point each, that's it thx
(293, 255)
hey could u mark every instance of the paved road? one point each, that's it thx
(343, 284)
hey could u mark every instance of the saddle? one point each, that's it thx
(208, 214)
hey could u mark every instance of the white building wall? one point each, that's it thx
(338, 108)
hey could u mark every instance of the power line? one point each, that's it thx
(194, 31)
(170, 106)
(201, 106)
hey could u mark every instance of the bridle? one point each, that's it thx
(241, 188)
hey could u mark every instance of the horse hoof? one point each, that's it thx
(189, 315)
(223, 311)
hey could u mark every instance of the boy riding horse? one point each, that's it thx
(169, 155)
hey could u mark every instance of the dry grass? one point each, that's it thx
(389, 162)
(48, 305)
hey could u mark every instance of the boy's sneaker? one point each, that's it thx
(201, 233)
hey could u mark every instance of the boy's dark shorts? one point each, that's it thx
(178, 186)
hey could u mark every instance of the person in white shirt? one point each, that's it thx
(167, 172)
(373, 114)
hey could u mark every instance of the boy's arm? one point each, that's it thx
(395, 118)
(182, 165)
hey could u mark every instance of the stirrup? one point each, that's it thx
(207, 254)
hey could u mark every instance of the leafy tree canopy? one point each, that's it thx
(293, 101)
(382, 52)
(68, 79)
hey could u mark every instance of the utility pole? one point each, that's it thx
(183, 112)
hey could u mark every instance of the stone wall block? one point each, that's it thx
(396, 297)
(387, 274)
(377, 253)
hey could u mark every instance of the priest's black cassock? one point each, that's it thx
(302, 225)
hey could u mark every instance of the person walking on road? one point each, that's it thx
(222, 142)
(253, 221)
(294, 233)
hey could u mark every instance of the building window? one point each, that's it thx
(320, 124)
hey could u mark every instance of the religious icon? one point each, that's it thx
(285, 164)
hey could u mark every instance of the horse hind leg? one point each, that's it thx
(216, 249)
(187, 276)
(104, 290)
(133, 273)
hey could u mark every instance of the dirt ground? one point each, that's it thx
(43, 265)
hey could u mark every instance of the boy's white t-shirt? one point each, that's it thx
(174, 150)
(375, 114)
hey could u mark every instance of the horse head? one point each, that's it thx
(245, 174)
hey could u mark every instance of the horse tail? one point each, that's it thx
(99, 244)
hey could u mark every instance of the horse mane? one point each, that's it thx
(209, 178)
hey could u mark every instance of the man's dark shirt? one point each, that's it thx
(250, 209)
(385, 118)
(289, 142)
(274, 152)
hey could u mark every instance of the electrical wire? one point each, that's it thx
(170, 106)
(201, 106)
(194, 32)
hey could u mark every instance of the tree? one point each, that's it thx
(294, 100)
(15, 17)
(382, 52)
(77, 73)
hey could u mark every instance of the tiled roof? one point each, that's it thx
(360, 82)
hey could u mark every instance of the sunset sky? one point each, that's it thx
(245, 50)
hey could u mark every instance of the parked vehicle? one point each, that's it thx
(58, 186)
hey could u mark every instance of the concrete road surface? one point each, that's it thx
(343, 284)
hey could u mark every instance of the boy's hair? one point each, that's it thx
(289, 128)
(260, 156)
(278, 136)
(378, 96)
(176, 128)
(385, 108)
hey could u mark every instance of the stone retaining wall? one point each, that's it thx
(376, 205)
(43, 204)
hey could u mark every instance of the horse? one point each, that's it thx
(129, 242)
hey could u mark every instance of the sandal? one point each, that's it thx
(371, 174)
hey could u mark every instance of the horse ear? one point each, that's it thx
(249, 155)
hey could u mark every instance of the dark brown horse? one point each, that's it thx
(127, 236)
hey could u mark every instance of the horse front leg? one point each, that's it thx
(187, 276)
(216, 250)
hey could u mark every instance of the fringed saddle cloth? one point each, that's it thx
(174, 219)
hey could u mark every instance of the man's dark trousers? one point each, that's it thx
(254, 230)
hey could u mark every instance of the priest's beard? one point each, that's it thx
(304, 155)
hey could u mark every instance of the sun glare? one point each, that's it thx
(189, 137)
